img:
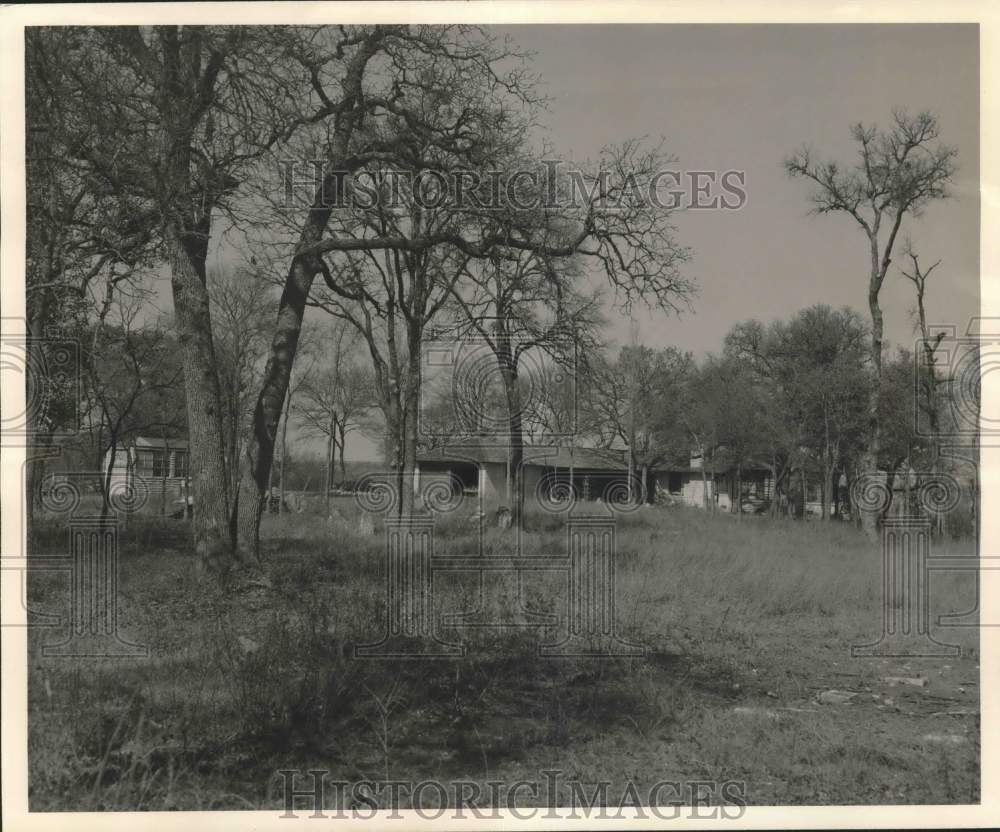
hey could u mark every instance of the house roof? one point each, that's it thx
(550, 457)
(157, 442)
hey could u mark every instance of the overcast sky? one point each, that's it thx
(743, 97)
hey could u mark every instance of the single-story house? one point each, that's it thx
(482, 471)
(688, 484)
(595, 473)
(163, 465)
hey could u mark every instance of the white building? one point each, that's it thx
(162, 465)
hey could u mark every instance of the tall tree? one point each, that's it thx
(927, 377)
(190, 108)
(518, 304)
(335, 397)
(899, 171)
(816, 364)
(242, 308)
(639, 400)
(390, 93)
(83, 245)
(134, 387)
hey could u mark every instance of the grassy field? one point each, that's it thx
(745, 624)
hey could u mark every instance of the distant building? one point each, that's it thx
(482, 471)
(161, 464)
(595, 473)
(688, 484)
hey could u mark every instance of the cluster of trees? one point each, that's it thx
(147, 144)
(144, 143)
(789, 396)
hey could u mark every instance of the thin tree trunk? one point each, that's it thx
(869, 459)
(106, 480)
(331, 454)
(515, 430)
(284, 448)
(163, 479)
(343, 444)
(704, 479)
(291, 309)
(411, 417)
(827, 493)
(631, 470)
(739, 491)
(774, 486)
(41, 447)
(805, 491)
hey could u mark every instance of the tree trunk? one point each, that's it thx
(704, 479)
(393, 451)
(259, 457)
(187, 226)
(331, 453)
(515, 432)
(341, 446)
(869, 459)
(827, 492)
(163, 479)
(284, 448)
(41, 448)
(805, 491)
(411, 418)
(106, 480)
(209, 479)
(631, 471)
(773, 512)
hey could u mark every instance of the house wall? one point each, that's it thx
(122, 473)
(492, 484)
(692, 489)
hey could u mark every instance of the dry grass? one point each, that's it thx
(755, 615)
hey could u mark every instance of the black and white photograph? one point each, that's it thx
(413, 413)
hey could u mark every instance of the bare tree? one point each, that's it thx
(436, 91)
(900, 170)
(335, 397)
(190, 108)
(242, 307)
(133, 384)
(81, 244)
(520, 303)
(928, 380)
